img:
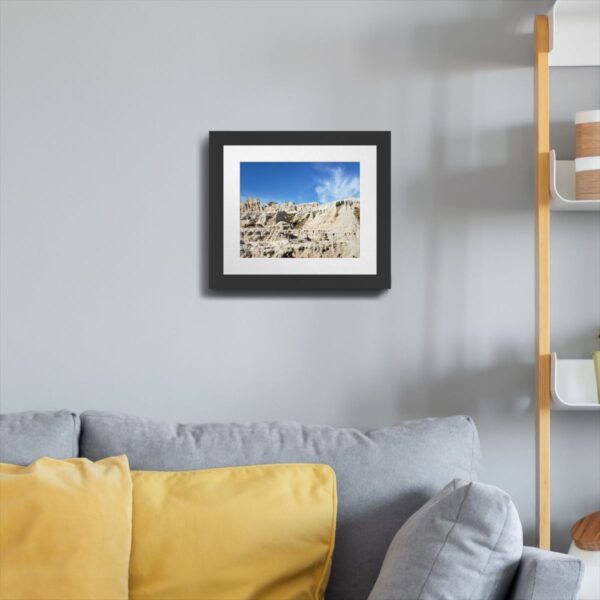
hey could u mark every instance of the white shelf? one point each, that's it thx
(573, 384)
(562, 187)
(574, 33)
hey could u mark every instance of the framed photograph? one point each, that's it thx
(299, 210)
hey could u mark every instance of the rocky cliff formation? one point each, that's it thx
(291, 230)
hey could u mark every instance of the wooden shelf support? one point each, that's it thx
(542, 199)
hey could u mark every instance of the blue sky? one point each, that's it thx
(299, 182)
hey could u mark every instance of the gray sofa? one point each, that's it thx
(383, 476)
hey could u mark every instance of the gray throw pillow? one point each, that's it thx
(464, 544)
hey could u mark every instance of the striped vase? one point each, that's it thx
(587, 155)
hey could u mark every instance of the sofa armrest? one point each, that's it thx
(544, 575)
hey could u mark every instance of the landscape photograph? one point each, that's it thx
(299, 209)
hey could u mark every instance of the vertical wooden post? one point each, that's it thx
(542, 149)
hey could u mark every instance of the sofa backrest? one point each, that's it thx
(383, 476)
(27, 436)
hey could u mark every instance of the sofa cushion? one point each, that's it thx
(383, 476)
(465, 543)
(264, 532)
(27, 436)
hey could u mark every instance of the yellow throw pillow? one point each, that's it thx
(240, 533)
(65, 529)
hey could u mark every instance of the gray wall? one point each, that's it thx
(105, 112)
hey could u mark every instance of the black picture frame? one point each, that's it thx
(218, 280)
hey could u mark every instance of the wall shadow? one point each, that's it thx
(491, 36)
(448, 204)
(451, 199)
(470, 391)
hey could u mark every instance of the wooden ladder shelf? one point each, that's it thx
(567, 36)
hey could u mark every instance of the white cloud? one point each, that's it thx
(337, 186)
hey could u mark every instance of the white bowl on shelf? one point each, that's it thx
(573, 384)
(562, 187)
